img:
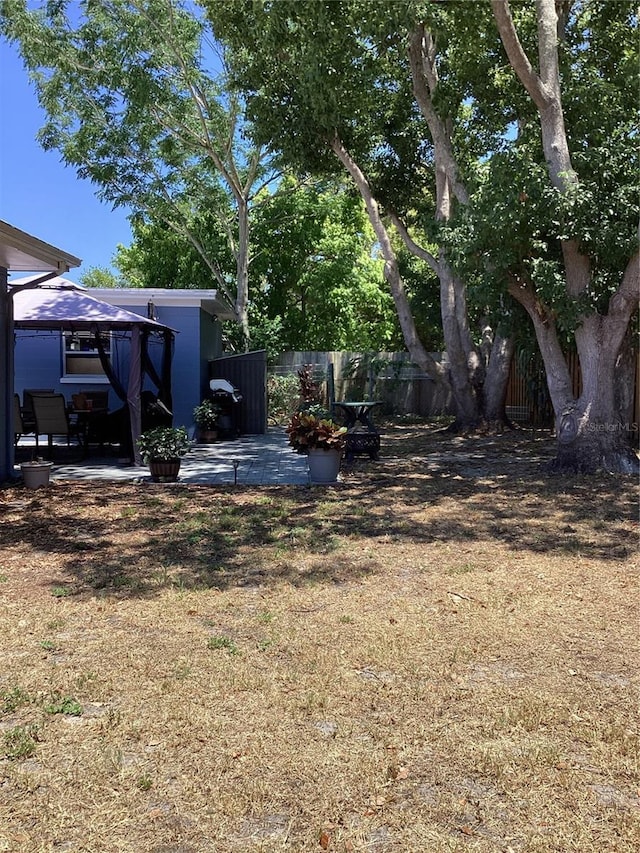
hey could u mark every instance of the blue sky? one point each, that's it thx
(38, 194)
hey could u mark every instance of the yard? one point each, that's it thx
(438, 654)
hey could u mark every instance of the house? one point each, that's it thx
(68, 362)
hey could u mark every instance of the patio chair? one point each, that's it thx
(50, 413)
(28, 394)
(93, 416)
(18, 423)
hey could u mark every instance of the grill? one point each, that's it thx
(229, 398)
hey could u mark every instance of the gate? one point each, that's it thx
(248, 373)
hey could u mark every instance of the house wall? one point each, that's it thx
(38, 364)
(210, 348)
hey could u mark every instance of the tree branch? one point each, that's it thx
(518, 59)
(411, 245)
(626, 299)
(425, 78)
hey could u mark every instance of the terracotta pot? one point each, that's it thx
(36, 474)
(324, 465)
(164, 472)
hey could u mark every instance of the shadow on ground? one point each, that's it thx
(428, 488)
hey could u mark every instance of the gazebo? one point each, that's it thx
(60, 305)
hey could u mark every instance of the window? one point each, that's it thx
(80, 357)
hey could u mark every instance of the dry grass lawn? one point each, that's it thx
(438, 654)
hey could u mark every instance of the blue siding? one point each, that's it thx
(210, 348)
(38, 364)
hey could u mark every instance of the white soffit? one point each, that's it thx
(20, 252)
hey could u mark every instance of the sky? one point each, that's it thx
(38, 193)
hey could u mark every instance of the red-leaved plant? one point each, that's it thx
(306, 432)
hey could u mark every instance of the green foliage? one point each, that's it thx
(100, 277)
(61, 591)
(159, 257)
(316, 274)
(13, 699)
(20, 742)
(306, 431)
(223, 643)
(64, 705)
(321, 67)
(163, 444)
(283, 396)
(144, 782)
(206, 414)
(135, 101)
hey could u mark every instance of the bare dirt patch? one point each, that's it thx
(438, 654)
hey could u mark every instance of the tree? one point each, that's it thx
(316, 281)
(315, 268)
(564, 246)
(133, 104)
(358, 81)
(161, 258)
(100, 277)
(584, 275)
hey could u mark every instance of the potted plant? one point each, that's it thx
(36, 473)
(162, 449)
(206, 417)
(322, 440)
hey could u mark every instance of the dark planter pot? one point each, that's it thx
(164, 472)
(207, 436)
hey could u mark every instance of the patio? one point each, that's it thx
(263, 460)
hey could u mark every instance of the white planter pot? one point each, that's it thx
(324, 465)
(36, 474)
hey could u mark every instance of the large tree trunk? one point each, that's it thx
(625, 382)
(242, 271)
(468, 369)
(468, 414)
(590, 432)
(496, 382)
(414, 345)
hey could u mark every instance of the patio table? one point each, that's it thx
(86, 419)
(360, 440)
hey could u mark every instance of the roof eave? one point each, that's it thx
(21, 252)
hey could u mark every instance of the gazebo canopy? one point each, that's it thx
(61, 304)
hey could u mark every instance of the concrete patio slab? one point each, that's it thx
(251, 460)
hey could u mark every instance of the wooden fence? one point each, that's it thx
(403, 388)
(386, 376)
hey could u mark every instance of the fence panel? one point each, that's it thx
(386, 376)
(404, 389)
